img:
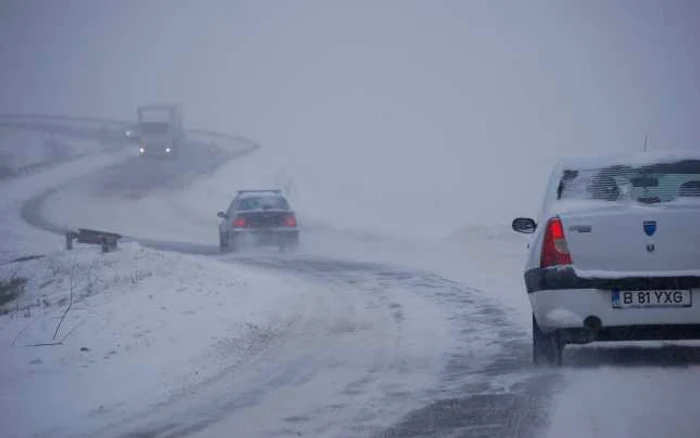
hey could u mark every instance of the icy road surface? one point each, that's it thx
(358, 334)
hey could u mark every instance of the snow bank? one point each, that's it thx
(19, 238)
(144, 326)
(22, 150)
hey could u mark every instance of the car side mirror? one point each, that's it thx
(524, 225)
(221, 214)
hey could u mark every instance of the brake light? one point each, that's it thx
(555, 251)
(240, 222)
(290, 221)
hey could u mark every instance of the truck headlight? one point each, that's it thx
(167, 150)
(142, 150)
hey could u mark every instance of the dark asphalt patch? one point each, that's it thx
(596, 355)
(522, 415)
(487, 410)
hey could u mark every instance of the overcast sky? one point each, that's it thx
(466, 101)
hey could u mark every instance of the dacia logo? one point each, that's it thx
(649, 228)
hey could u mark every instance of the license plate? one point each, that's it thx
(651, 298)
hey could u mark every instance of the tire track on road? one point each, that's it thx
(493, 391)
(486, 389)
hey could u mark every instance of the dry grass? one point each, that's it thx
(11, 289)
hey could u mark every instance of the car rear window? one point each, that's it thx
(656, 183)
(262, 203)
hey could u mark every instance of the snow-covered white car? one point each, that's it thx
(615, 253)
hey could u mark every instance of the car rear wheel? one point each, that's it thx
(226, 244)
(547, 348)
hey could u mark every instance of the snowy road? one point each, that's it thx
(379, 353)
(377, 349)
(377, 339)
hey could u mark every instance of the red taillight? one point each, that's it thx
(555, 251)
(240, 222)
(290, 220)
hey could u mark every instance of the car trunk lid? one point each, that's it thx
(265, 218)
(634, 240)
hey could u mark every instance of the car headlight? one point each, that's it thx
(167, 150)
(142, 150)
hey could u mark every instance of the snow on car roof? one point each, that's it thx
(630, 159)
(565, 206)
(258, 193)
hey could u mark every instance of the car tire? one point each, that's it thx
(547, 348)
(226, 243)
(223, 242)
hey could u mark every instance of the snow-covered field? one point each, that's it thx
(143, 327)
(23, 151)
(154, 322)
(19, 238)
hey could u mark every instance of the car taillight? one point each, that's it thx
(555, 251)
(240, 222)
(290, 220)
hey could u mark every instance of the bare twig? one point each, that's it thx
(45, 344)
(70, 304)
(21, 332)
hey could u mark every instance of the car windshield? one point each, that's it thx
(657, 183)
(154, 128)
(264, 202)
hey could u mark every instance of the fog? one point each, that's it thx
(459, 107)
(407, 135)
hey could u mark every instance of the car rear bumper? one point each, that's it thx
(565, 278)
(561, 299)
(265, 236)
(570, 308)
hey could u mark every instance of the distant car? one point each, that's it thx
(615, 253)
(155, 140)
(160, 130)
(258, 218)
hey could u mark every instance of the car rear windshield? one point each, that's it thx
(662, 182)
(262, 203)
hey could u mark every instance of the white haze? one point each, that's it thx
(451, 109)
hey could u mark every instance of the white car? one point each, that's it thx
(615, 253)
